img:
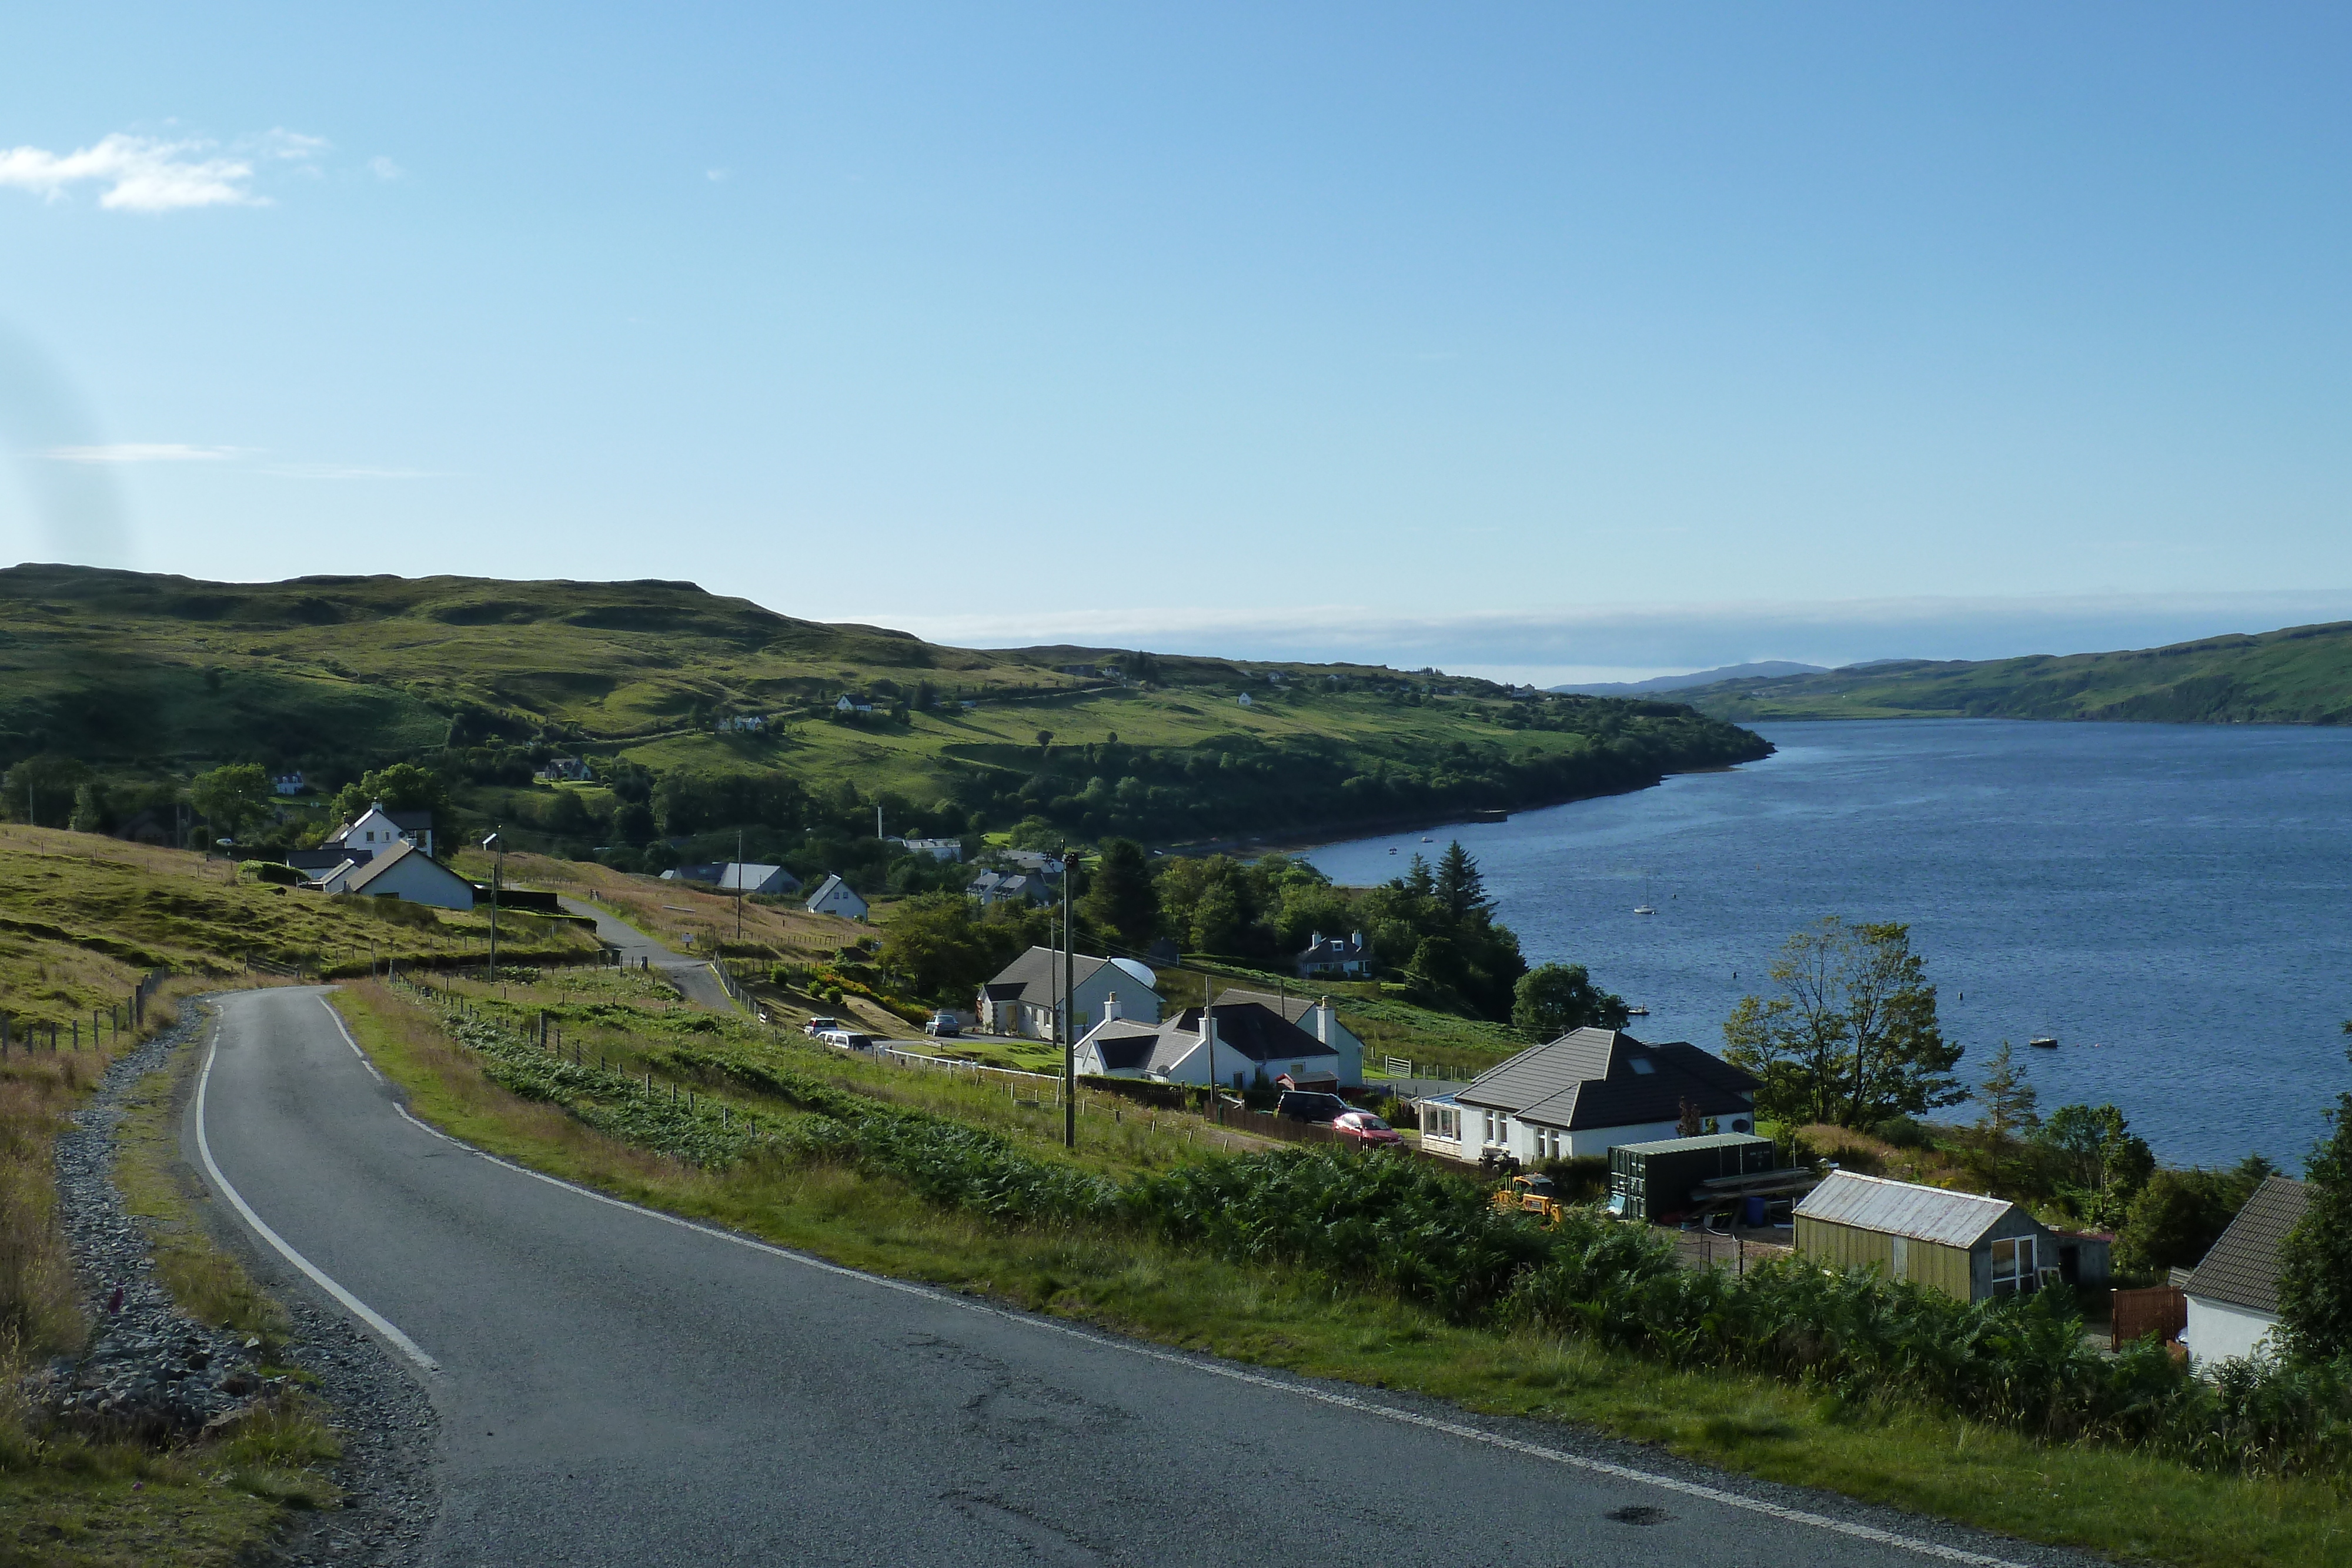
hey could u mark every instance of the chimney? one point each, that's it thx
(1323, 1019)
(1110, 1007)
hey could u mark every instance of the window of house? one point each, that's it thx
(2013, 1265)
(1641, 1064)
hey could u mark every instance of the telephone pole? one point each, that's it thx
(1070, 1018)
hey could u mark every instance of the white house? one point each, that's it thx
(2234, 1292)
(1584, 1093)
(835, 896)
(403, 872)
(949, 849)
(1230, 1043)
(1349, 956)
(1041, 862)
(848, 704)
(744, 722)
(1244, 700)
(1318, 1018)
(1025, 996)
(376, 829)
(288, 783)
(998, 887)
(563, 770)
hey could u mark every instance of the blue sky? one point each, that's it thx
(1532, 338)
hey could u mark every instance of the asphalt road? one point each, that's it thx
(690, 975)
(618, 1389)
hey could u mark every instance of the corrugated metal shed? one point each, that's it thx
(1902, 1209)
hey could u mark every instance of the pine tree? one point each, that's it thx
(2008, 1099)
(1122, 899)
(1460, 889)
(2315, 1273)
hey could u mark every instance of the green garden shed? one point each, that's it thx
(1965, 1244)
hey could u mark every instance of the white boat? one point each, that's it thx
(2042, 1042)
(1644, 907)
(1637, 1011)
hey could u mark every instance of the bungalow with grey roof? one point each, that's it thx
(2233, 1300)
(1586, 1093)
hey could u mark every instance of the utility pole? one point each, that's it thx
(498, 859)
(1070, 1018)
(740, 889)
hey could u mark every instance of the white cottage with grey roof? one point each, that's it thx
(2233, 1300)
(1026, 997)
(1584, 1093)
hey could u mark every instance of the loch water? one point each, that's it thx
(2169, 902)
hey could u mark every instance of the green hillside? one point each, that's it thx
(152, 677)
(2299, 676)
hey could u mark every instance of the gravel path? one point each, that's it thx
(152, 1372)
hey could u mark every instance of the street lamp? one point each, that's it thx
(495, 848)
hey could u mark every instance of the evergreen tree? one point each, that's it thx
(1122, 900)
(2315, 1275)
(2008, 1099)
(1459, 888)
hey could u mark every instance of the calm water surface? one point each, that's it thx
(2167, 900)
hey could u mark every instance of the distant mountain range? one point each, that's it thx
(2302, 674)
(1759, 670)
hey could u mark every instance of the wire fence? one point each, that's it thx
(22, 1036)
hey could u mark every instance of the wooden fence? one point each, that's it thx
(2160, 1312)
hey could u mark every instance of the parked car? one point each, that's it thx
(1311, 1105)
(853, 1040)
(943, 1026)
(817, 1027)
(1363, 1127)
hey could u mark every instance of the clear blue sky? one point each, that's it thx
(1523, 337)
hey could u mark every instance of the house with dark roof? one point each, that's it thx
(1349, 957)
(2233, 1303)
(1234, 1044)
(1318, 1018)
(1026, 997)
(376, 829)
(1588, 1092)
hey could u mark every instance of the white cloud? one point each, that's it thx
(148, 174)
(383, 168)
(715, 176)
(143, 451)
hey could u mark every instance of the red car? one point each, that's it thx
(1364, 1129)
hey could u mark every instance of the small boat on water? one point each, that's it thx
(2042, 1042)
(1427, 840)
(1637, 1011)
(1644, 907)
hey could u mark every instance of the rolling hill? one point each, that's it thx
(153, 676)
(2302, 674)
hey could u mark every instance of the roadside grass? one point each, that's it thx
(80, 1503)
(1298, 1320)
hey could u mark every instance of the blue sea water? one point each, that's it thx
(2169, 901)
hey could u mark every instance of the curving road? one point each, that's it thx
(616, 1387)
(692, 976)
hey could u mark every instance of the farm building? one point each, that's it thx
(1964, 1244)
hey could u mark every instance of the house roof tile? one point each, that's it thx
(2242, 1268)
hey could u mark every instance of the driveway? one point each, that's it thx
(691, 975)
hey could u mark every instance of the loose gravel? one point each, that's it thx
(152, 1374)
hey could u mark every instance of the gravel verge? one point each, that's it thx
(152, 1374)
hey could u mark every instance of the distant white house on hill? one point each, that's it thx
(835, 896)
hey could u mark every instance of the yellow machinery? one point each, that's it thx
(1533, 1195)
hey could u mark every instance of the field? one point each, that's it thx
(2299, 676)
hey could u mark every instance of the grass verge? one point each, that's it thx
(2105, 1500)
(75, 1503)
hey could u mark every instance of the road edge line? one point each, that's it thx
(1200, 1363)
(365, 1313)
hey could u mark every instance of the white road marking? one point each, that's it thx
(359, 1309)
(1854, 1529)
(346, 1033)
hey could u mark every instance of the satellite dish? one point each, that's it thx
(1136, 968)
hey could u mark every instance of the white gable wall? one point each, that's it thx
(419, 880)
(2221, 1331)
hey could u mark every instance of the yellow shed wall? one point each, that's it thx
(1930, 1263)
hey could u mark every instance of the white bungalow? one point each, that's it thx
(835, 896)
(2233, 1305)
(403, 871)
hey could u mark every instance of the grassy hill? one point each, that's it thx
(2299, 676)
(162, 676)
